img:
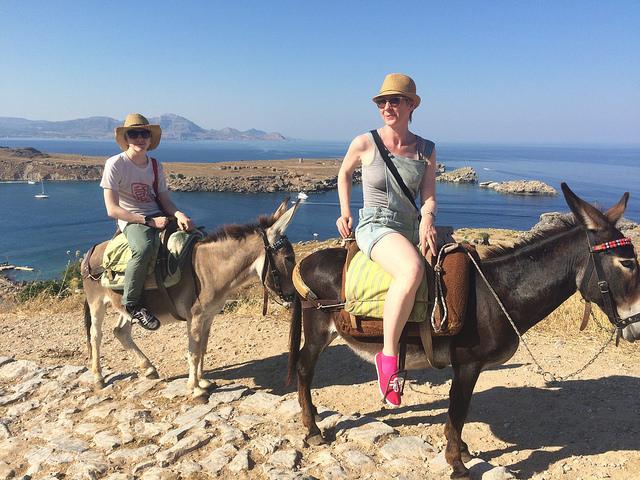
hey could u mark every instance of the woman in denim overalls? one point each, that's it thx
(389, 226)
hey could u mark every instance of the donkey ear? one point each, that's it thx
(281, 224)
(585, 213)
(281, 208)
(615, 213)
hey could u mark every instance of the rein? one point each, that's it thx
(596, 264)
(611, 312)
(269, 266)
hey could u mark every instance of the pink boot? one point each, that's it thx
(389, 382)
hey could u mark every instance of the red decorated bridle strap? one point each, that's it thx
(620, 242)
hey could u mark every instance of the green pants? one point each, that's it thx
(143, 242)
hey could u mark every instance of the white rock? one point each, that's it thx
(184, 446)
(139, 388)
(193, 415)
(157, 473)
(241, 462)
(287, 458)
(69, 444)
(69, 372)
(227, 394)
(218, 458)
(247, 422)
(229, 434)
(107, 441)
(407, 447)
(370, 432)
(89, 429)
(6, 471)
(289, 409)
(23, 369)
(175, 388)
(356, 459)
(131, 455)
(334, 472)
(265, 444)
(260, 402)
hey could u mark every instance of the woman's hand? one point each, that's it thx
(344, 224)
(184, 222)
(428, 237)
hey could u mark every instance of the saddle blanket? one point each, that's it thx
(366, 288)
(117, 254)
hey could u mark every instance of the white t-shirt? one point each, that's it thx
(134, 185)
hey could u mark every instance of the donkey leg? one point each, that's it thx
(464, 381)
(97, 311)
(203, 382)
(122, 332)
(315, 341)
(195, 327)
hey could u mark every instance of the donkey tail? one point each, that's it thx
(295, 335)
(87, 325)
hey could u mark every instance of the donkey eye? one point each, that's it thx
(630, 264)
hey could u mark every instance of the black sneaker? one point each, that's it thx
(145, 318)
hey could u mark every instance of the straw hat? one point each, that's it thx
(137, 121)
(399, 84)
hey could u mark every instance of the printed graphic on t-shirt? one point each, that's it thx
(141, 192)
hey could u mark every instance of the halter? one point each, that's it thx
(270, 267)
(603, 285)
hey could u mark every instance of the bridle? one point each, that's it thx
(269, 267)
(595, 252)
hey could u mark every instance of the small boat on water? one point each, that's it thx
(41, 195)
(302, 196)
(31, 182)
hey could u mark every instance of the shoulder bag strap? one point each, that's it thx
(154, 164)
(392, 168)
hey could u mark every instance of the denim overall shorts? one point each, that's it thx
(376, 222)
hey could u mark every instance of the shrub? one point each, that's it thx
(69, 281)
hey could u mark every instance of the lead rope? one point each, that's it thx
(548, 376)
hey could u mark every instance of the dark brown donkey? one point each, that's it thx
(221, 263)
(532, 279)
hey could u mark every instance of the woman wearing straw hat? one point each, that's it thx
(390, 224)
(136, 195)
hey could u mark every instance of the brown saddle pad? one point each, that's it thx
(454, 273)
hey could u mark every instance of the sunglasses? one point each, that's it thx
(133, 134)
(393, 101)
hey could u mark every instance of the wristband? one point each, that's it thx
(147, 219)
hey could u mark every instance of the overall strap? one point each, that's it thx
(384, 152)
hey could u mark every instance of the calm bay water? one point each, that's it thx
(39, 233)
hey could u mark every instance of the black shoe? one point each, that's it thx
(145, 318)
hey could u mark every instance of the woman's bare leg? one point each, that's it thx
(398, 257)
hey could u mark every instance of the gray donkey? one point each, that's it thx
(222, 262)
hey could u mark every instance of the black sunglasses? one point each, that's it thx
(133, 134)
(393, 101)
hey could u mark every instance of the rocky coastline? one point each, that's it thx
(251, 176)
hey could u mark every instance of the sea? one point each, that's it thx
(47, 234)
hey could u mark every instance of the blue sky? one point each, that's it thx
(498, 71)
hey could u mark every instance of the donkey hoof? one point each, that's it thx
(99, 384)
(316, 440)
(200, 396)
(461, 474)
(207, 385)
(151, 374)
(466, 456)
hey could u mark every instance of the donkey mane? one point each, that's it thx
(239, 232)
(565, 224)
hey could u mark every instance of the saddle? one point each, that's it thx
(441, 301)
(108, 260)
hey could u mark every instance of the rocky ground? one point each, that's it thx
(53, 424)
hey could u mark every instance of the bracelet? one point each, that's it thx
(147, 219)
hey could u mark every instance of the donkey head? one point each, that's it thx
(619, 264)
(279, 253)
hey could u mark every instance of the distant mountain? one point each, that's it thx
(174, 127)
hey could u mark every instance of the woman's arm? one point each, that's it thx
(428, 237)
(352, 160)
